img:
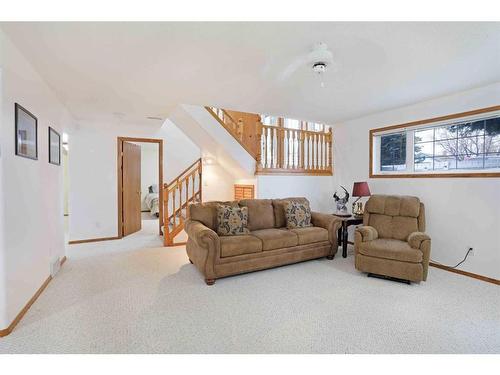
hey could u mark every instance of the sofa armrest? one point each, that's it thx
(329, 222)
(416, 239)
(202, 235)
(368, 233)
(203, 248)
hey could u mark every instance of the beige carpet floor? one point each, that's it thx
(134, 296)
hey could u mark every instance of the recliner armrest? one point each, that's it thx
(415, 239)
(368, 233)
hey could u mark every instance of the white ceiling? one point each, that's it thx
(127, 71)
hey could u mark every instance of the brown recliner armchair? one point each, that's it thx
(392, 241)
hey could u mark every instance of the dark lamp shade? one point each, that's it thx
(361, 189)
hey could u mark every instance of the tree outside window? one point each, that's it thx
(470, 145)
(393, 152)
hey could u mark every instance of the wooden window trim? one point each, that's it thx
(422, 122)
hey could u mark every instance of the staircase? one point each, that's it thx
(215, 141)
(278, 149)
(244, 127)
(183, 190)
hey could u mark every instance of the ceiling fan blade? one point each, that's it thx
(292, 67)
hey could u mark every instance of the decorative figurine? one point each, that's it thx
(341, 202)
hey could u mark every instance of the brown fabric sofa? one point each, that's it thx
(392, 241)
(269, 243)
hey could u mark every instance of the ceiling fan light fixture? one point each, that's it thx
(319, 67)
(319, 70)
(319, 60)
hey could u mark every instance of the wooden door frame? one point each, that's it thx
(119, 192)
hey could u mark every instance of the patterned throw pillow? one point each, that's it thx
(231, 220)
(298, 215)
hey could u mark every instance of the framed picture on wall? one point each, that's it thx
(54, 147)
(26, 133)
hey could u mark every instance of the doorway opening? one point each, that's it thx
(140, 185)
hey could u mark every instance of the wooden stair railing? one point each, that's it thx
(244, 127)
(278, 149)
(186, 188)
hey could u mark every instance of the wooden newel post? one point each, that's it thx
(330, 149)
(280, 143)
(258, 134)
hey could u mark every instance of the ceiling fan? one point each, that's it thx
(319, 59)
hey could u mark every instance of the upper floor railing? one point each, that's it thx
(279, 149)
(299, 151)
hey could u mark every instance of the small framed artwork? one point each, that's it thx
(54, 147)
(26, 133)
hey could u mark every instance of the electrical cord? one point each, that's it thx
(459, 263)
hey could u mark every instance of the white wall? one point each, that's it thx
(218, 184)
(149, 169)
(179, 151)
(31, 193)
(93, 175)
(213, 140)
(317, 189)
(460, 212)
(3, 272)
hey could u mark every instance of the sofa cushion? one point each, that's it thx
(390, 249)
(206, 213)
(276, 238)
(231, 246)
(310, 235)
(279, 209)
(298, 215)
(260, 213)
(232, 221)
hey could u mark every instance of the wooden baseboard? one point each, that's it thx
(465, 273)
(74, 242)
(10, 328)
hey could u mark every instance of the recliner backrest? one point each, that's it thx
(394, 216)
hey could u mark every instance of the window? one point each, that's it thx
(466, 144)
(317, 127)
(471, 145)
(290, 123)
(269, 120)
(393, 152)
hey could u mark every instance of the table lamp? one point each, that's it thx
(359, 189)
